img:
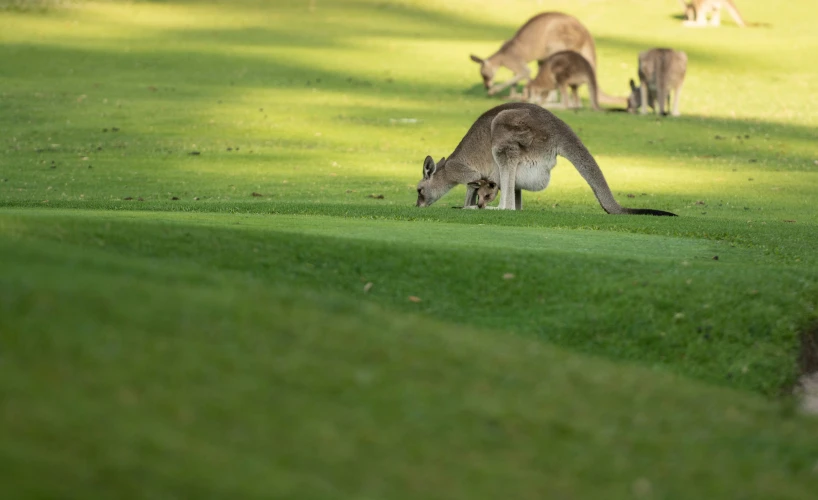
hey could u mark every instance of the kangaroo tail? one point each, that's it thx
(588, 168)
(593, 89)
(601, 96)
(647, 211)
(610, 99)
(734, 13)
(661, 78)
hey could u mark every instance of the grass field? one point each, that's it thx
(203, 293)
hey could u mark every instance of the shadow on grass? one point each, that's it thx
(98, 72)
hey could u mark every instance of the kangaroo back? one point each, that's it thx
(548, 33)
(530, 135)
(662, 66)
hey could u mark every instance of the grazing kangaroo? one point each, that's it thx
(660, 71)
(543, 35)
(560, 71)
(516, 144)
(697, 11)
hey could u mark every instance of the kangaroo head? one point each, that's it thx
(432, 187)
(486, 191)
(487, 70)
(635, 98)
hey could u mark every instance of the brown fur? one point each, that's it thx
(560, 71)
(515, 145)
(485, 191)
(541, 36)
(660, 71)
(697, 11)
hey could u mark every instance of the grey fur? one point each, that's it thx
(660, 71)
(516, 144)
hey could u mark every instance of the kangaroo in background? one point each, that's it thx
(697, 11)
(517, 144)
(541, 36)
(560, 71)
(660, 71)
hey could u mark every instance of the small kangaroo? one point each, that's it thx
(486, 192)
(697, 11)
(541, 36)
(516, 144)
(660, 71)
(560, 71)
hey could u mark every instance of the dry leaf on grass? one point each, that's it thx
(412, 298)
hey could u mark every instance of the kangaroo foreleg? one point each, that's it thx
(643, 97)
(499, 87)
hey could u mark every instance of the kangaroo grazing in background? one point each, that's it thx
(516, 144)
(543, 35)
(560, 71)
(660, 71)
(696, 12)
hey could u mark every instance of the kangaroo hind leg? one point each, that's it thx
(575, 95)
(676, 95)
(507, 156)
(513, 134)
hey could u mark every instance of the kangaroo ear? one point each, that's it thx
(475, 185)
(633, 85)
(476, 59)
(428, 167)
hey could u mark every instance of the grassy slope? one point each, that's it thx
(218, 384)
(310, 104)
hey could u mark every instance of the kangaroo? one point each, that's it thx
(541, 36)
(560, 71)
(660, 71)
(697, 11)
(485, 191)
(516, 144)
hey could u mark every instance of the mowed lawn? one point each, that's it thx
(214, 282)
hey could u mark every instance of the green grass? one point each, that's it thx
(221, 344)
